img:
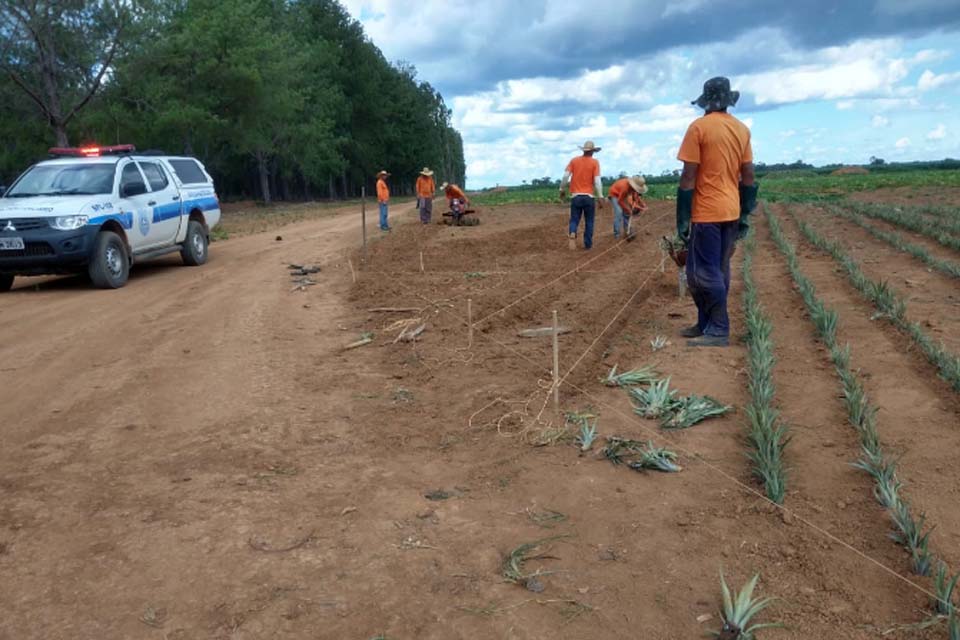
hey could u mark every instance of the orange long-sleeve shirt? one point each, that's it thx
(426, 187)
(383, 191)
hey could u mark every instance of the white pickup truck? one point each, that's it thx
(100, 210)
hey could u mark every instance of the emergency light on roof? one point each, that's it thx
(92, 152)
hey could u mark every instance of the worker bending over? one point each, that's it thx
(626, 199)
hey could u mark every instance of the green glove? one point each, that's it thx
(748, 202)
(684, 213)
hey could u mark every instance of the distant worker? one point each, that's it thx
(426, 188)
(717, 193)
(626, 198)
(457, 201)
(383, 197)
(583, 174)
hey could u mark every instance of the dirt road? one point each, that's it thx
(121, 407)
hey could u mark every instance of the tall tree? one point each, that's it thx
(58, 52)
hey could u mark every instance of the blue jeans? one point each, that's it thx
(383, 216)
(620, 219)
(708, 273)
(583, 206)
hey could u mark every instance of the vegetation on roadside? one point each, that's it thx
(768, 435)
(889, 303)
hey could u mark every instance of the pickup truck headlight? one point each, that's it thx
(69, 223)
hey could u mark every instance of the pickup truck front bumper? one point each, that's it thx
(47, 250)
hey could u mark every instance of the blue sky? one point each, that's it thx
(822, 82)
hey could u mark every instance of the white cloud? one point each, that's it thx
(930, 80)
(858, 69)
(938, 133)
(879, 121)
(902, 143)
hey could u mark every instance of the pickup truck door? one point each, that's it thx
(135, 207)
(165, 203)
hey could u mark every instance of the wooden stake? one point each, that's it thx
(556, 363)
(469, 323)
(421, 262)
(363, 223)
(353, 273)
(681, 283)
(663, 259)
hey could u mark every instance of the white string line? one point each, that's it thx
(699, 456)
(576, 269)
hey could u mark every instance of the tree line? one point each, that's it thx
(281, 99)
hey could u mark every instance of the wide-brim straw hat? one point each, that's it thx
(382, 173)
(589, 146)
(426, 172)
(638, 183)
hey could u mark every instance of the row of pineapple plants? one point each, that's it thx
(909, 530)
(890, 304)
(944, 230)
(898, 242)
(767, 433)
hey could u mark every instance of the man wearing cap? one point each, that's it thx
(456, 199)
(426, 188)
(624, 196)
(383, 197)
(583, 175)
(717, 194)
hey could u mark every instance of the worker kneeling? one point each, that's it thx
(457, 201)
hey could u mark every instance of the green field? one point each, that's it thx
(780, 186)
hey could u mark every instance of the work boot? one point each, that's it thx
(572, 242)
(691, 332)
(709, 341)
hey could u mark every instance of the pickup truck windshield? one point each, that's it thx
(65, 180)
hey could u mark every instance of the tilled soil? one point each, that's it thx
(196, 456)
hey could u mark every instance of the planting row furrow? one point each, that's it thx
(890, 304)
(768, 434)
(910, 531)
(898, 242)
(942, 230)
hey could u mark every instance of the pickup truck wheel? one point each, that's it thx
(110, 265)
(194, 250)
(6, 282)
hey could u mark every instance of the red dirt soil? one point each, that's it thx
(196, 456)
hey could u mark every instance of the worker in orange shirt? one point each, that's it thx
(626, 199)
(456, 199)
(717, 194)
(583, 175)
(383, 198)
(426, 189)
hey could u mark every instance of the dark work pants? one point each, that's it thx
(708, 273)
(583, 206)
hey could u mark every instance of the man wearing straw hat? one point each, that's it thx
(717, 193)
(624, 196)
(383, 197)
(425, 191)
(583, 175)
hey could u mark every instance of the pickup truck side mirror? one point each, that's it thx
(132, 189)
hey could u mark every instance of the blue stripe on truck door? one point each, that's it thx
(165, 212)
